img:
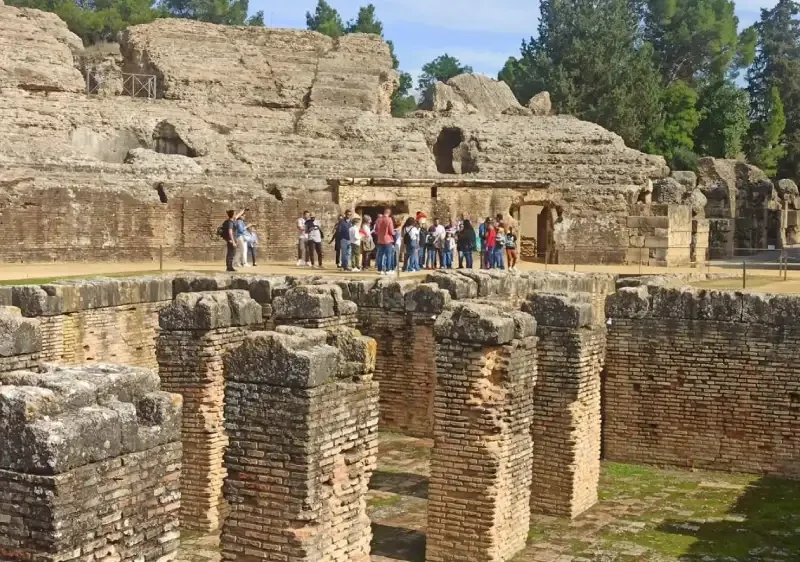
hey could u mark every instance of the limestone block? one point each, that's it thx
(32, 300)
(674, 303)
(482, 323)
(459, 286)
(787, 187)
(210, 310)
(64, 418)
(559, 310)
(628, 302)
(427, 298)
(5, 296)
(648, 222)
(774, 310)
(18, 335)
(308, 302)
(195, 283)
(656, 241)
(636, 241)
(389, 294)
(540, 104)
(442, 98)
(686, 178)
(488, 96)
(357, 352)
(721, 306)
(669, 190)
(293, 358)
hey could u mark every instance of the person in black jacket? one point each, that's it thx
(465, 244)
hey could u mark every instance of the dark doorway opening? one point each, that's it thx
(448, 141)
(375, 209)
(162, 195)
(543, 233)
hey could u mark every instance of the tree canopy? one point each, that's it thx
(441, 69)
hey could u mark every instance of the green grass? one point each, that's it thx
(46, 280)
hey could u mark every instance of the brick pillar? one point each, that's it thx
(89, 467)
(20, 340)
(479, 494)
(567, 420)
(301, 410)
(197, 329)
(314, 306)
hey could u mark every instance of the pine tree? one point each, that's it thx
(326, 20)
(441, 69)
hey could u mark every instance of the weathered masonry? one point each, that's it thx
(197, 329)
(301, 410)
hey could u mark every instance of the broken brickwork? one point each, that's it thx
(703, 379)
(481, 464)
(567, 416)
(20, 340)
(197, 329)
(301, 410)
(90, 465)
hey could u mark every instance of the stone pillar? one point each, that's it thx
(89, 467)
(20, 340)
(301, 410)
(479, 493)
(314, 306)
(197, 329)
(567, 416)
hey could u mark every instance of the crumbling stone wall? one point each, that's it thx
(90, 465)
(197, 329)
(96, 320)
(20, 340)
(316, 306)
(566, 413)
(301, 409)
(481, 468)
(703, 379)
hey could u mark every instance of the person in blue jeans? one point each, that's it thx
(465, 243)
(499, 248)
(411, 243)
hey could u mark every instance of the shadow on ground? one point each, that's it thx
(397, 543)
(402, 483)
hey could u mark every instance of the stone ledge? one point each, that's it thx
(561, 311)
(312, 302)
(260, 287)
(210, 310)
(289, 357)
(426, 298)
(65, 417)
(482, 323)
(18, 335)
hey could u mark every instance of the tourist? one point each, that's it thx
(411, 241)
(367, 242)
(483, 230)
(423, 234)
(355, 244)
(335, 240)
(489, 244)
(439, 233)
(384, 231)
(252, 242)
(430, 248)
(449, 246)
(398, 245)
(227, 231)
(499, 246)
(302, 241)
(240, 230)
(342, 234)
(466, 244)
(511, 249)
(314, 236)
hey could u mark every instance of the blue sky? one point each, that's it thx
(481, 33)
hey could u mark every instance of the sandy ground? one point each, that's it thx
(762, 280)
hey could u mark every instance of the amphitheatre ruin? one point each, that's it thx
(480, 416)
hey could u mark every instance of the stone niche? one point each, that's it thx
(166, 140)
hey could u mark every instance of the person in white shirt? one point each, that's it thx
(355, 243)
(439, 234)
(303, 257)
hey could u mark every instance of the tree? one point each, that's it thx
(695, 38)
(679, 119)
(326, 20)
(441, 69)
(226, 12)
(590, 56)
(773, 82)
(365, 22)
(766, 149)
(723, 109)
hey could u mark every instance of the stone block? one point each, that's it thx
(559, 310)
(685, 178)
(292, 358)
(388, 294)
(628, 302)
(427, 298)
(773, 310)
(315, 301)
(656, 241)
(478, 323)
(648, 222)
(33, 301)
(674, 303)
(357, 352)
(210, 310)
(195, 283)
(459, 286)
(18, 335)
(5, 296)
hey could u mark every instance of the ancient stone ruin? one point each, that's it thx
(262, 423)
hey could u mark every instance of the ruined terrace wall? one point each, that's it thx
(703, 379)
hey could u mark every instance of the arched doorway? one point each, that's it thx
(535, 232)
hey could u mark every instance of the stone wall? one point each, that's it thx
(197, 329)
(301, 410)
(566, 411)
(703, 379)
(95, 321)
(480, 483)
(88, 448)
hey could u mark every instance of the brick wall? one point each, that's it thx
(480, 483)
(302, 418)
(703, 379)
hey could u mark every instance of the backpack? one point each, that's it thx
(407, 237)
(222, 230)
(430, 238)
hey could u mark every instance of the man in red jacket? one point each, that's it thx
(384, 229)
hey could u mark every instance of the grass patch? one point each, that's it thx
(735, 284)
(386, 501)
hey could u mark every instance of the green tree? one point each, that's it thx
(590, 56)
(766, 148)
(326, 20)
(724, 121)
(695, 38)
(226, 12)
(365, 22)
(773, 82)
(441, 69)
(679, 119)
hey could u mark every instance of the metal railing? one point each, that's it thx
(134, 85)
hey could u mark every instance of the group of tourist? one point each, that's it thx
(241, 238)
(358, 242)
